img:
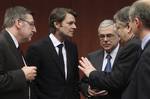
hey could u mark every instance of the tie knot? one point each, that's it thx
(19, 49)
(108, 56)
(60, 46)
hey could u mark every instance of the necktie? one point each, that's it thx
(60, 53)
(19, 50)
(61, 58)
(20, 55)
(108, 65)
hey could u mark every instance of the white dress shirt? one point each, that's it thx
(14, 39)
(56, 42)
(113, 55)
(145, 41)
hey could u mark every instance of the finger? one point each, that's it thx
(85, 61)
(106, 93)
(34, 72)
(34, 75)
(33, 67)
(88, 62)
(102, 93)
(82, 63)
(81, 68)
(91, 92)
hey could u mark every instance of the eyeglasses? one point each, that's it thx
(109, 36)
(30, 23)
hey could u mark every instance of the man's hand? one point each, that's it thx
(30, 72)
(86, 66)
(95, 92)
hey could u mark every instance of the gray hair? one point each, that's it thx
(13, 13)
(141, 10)
(106, 23)
(122, 15)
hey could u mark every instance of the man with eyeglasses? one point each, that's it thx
(117, 80)
(30, 23)
(102, 59)
(14, 72)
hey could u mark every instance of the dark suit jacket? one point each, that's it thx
(96, 58)
(118, 79)
(139, 87)
(13, 83)
(50, 82)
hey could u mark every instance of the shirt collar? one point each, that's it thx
(55, 41)
(13, 38)
(113, 52)
(145, 41)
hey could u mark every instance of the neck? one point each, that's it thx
(59, 36)
(14, 32)
(143, 33)
(131, 36)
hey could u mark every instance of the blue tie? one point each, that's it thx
(108, 65)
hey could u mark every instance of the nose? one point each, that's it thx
(34, 29)
(74, 26)
(105, 38)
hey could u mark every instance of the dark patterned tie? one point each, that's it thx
(20, 55)
(60, 54)
(108, 65)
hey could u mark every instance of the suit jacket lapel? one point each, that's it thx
(115, 61)
(146, 45)
(12, 48)
(99, 60)
(52, 53)
(69, 57)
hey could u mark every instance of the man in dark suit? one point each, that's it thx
(109, 41)
(57, 76)
(14, 74)
(119, 78)
(139, 86)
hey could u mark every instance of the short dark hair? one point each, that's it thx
(14, 13)
(58, 15)
(141, 9)
(122, 15)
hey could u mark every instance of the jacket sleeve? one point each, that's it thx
(84, 84)
(119, 77)
(10, 80)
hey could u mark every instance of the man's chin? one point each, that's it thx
(107, 49)
(68, 36)
(28, 40)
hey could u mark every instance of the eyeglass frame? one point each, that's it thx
(30, 23)
(103, 36)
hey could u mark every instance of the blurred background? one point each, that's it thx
(90, 14)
